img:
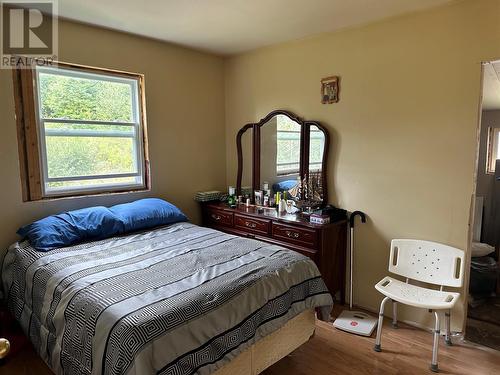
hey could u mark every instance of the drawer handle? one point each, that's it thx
(249, 224)
(291, 234)
(216, 217)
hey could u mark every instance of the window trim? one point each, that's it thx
(31, 142)
(135, 125)
(289, 171)
(316, 134)
(492, 145)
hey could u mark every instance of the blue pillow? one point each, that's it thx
(147, 213)
(95, 223)
(284, 185)
(71, 227)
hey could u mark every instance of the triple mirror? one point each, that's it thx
(284, 153)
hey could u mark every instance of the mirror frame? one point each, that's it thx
(304, 151)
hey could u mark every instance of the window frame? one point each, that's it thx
(492, 145)
(318, 134)
(289, 171)
(31, 133)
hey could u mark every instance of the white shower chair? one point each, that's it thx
(429, 262)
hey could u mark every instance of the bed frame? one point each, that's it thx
(272, 348)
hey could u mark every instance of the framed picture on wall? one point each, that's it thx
(330, 90)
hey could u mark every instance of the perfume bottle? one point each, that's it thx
(282, 204)
(231, 199)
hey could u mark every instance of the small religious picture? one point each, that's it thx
(330, 90)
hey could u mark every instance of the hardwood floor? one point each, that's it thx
(406, 350)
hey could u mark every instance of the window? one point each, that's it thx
(316, 148)
(493, 149)
(288, 146)
(90, 131)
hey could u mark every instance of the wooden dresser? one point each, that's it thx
(325, 244)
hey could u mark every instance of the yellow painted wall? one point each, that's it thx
(185, 113)
(404, 131)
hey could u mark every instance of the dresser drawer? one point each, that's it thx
(301, 236)
(219, 217)
(251, 224)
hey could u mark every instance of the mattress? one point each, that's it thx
(180, 299)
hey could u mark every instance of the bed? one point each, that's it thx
(179, 299)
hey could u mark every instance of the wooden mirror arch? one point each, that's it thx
(256, 142)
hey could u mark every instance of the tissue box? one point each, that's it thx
(319, 219)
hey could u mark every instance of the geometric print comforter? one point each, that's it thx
(177, 300)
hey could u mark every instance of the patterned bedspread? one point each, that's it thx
(181, 299)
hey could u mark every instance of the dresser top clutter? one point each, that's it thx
(270, 213)
(281, 194)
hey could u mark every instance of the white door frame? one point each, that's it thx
(468, 255)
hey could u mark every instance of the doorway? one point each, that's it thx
(483, 317)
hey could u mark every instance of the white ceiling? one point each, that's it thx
(232, 26)
(491, 86)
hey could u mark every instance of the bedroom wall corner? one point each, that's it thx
(185, 119)
(404, 132)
